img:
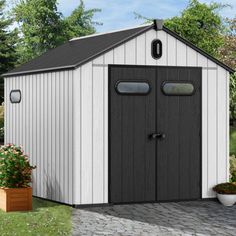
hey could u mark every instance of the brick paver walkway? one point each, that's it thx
(185, 218)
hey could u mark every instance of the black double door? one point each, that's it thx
(154, 133)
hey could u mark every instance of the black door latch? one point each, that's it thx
(157, 136)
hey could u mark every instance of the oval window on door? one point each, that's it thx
(178, 88)
(139, 88)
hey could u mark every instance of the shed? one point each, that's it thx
(136, 115)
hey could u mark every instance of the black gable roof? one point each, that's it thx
(76, 52)
(79, 51)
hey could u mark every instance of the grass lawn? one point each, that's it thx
(232, 140)
(47, 218)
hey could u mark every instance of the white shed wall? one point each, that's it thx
(42, 124)
(91, 113)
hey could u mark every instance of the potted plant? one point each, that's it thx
(15, 177)
(226, 193)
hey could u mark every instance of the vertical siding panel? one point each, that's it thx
(43, 96)
(204, 133)
(47, 120)
(181, 54)
(109, 57)
(12, 123)
(140, 50)
(6, 111)
(211, 64)
(150, 36)
(76, 137)
(62, 140)
(16, 118)
(21, 114)
(49, 135)
(34, 131)
(9, 124)
(38, 131)
(59, 77)
(53, 137)
(171, 50)
(191, 57)
(70, 140)
(202, 61)
(161, 35)
(24, 124)
(11, 112)
(130, 52)
(227, 124)
(15, 115)
(98, 60)
(105, 138)
(119, 55)
(26, 121)
(66, 154)
(98, 135)
(221, 121)
(86, 130)
(212, 131)
(31, 100)
(12, 115)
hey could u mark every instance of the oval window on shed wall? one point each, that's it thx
(178, 88)
(156, 49)
(15, 96)
(139, 88)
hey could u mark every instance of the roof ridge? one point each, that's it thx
(110, 32)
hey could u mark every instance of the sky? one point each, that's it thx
(119, 13)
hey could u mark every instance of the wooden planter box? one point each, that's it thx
(16, 199)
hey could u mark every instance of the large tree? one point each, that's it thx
(40, 27)
(8, 40)
(80, 22)
(43, 27)
(227, 53)
(201, 24)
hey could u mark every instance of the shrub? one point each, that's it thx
(232, 168)
(15, 169)
(225, 188)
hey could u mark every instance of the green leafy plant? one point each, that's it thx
(225, 188)
(15, 169)
(232, 169)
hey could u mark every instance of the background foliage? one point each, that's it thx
(43, 27)
(8, 41)
(201, 24)
(232, 168)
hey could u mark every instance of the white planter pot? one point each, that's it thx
(227, 199)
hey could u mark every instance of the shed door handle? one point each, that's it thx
(157, 136)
